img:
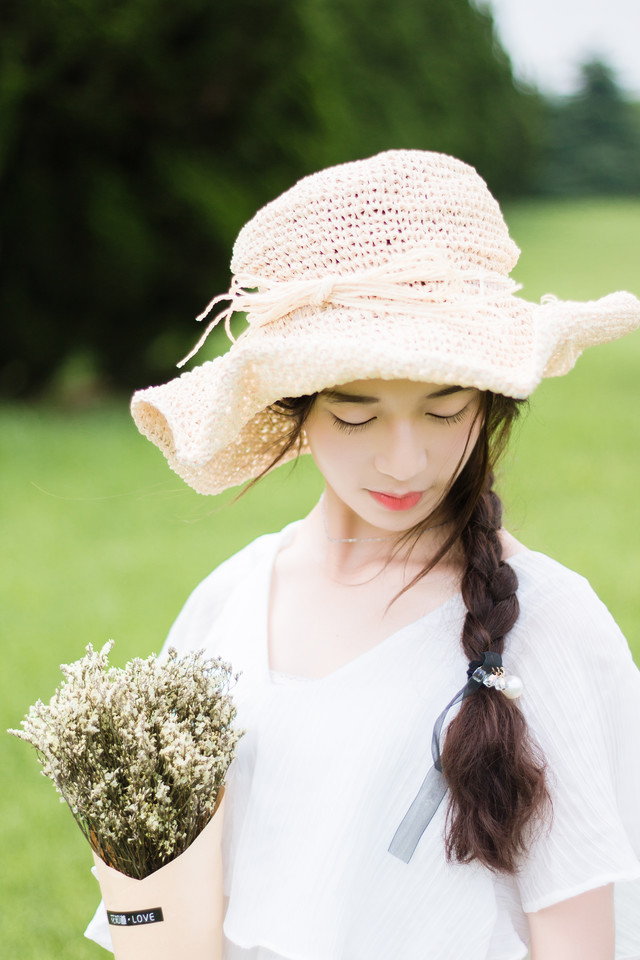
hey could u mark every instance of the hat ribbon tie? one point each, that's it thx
(265, 300)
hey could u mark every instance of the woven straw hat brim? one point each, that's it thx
(213, 423)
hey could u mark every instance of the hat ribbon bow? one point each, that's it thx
(407, 284)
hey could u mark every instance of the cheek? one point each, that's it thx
(317, 435)
(466, 445)
(454, 451)
(330, 450)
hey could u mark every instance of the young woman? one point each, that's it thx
(394, 795)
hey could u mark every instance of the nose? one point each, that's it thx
(402, 454)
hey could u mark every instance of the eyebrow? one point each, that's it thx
(445, 392)
(339, 396)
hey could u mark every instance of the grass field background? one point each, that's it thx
(100, 540)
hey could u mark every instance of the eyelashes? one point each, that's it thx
(453, 418)
(347, 427)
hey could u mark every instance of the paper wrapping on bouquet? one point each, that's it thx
(176, 911)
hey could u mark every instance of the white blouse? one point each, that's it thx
(328, 768)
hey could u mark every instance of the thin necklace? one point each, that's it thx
(360, 539)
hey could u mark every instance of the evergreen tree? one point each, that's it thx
(593, 139)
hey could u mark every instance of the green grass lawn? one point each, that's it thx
(100, 540)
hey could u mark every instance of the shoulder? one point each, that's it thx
(550, 591)
(207, 600)
(238, 566)
(563, 626)
(541, 578)
(539, 575)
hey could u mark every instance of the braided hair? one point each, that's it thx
(493, 769)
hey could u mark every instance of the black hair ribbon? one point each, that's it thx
(434, 786)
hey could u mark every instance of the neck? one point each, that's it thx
(355, 551)
(377, 539)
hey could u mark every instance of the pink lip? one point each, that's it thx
(407, 502)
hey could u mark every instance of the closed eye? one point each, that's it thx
(452, 417)
(350, 427)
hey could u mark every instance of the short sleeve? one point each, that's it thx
(582, 704)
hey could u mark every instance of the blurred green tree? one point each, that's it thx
(136, 136)
(593, 138)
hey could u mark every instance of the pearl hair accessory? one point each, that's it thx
(511, 686)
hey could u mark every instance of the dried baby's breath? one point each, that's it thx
(139, 754)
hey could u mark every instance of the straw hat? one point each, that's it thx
(395, 267)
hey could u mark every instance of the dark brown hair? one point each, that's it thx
(495, 772)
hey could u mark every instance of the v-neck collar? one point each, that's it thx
(263, 611)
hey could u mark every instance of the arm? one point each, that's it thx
(581, 928)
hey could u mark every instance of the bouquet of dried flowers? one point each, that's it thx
(139, 754)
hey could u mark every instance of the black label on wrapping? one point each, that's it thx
(136, 919)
